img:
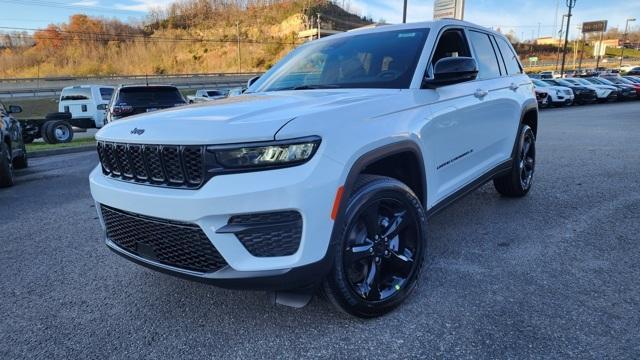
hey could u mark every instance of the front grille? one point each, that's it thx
(160, 165)
(269, 234)
(177, 244)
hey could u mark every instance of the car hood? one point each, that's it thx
(246, 118)
(561, 88)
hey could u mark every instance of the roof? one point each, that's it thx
(437, 24)
(145, 85)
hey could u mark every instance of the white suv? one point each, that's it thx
(324, 172)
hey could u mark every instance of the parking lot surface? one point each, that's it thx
(554, 275)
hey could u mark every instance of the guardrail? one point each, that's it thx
(124, 77)
(52, 86)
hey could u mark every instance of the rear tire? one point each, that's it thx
(380, 250)
(519, 180)
(6, 166)
(60, 132)
(44, 132)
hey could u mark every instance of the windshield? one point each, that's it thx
(539, 83)
(564, 83)
(379, 60)
(604, 81)
(74, 94)
(149, 96)
(213, 93)
(582, 81)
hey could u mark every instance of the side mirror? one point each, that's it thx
(102, 107)
(452, 70)
(15, 109)
(252, 81)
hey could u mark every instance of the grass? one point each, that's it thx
(41, 146)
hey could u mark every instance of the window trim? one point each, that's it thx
(501, 62)
(513, 52)
(425, 74)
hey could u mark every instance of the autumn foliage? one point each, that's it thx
(189, 36)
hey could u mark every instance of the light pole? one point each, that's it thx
(404, 13)
(570, 4)
(560, 42)
(624, 39)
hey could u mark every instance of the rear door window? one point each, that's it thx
(509, 56)
(76, 94)
(488, 65)
(149, 96)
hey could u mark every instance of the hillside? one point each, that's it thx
(192, 36)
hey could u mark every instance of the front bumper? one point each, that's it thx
(308, 189)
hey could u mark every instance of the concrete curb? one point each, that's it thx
(70, 150)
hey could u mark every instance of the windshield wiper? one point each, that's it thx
(314, 87)
(308, 87)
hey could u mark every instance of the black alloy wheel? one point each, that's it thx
(527, 160)
(519, 180)
(381, 248)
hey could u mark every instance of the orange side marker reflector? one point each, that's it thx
(336, 203)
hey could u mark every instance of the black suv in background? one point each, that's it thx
(13, 153)
(582, 94)
(131, 100)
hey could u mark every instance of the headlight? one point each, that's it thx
(558, 92)
(266, 155)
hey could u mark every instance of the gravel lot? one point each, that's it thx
(554, 275)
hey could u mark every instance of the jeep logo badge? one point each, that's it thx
(137, 131)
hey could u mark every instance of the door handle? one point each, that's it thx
(481, 93)
(514, 86)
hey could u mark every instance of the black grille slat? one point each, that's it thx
(193, 165)
(111, 158)
(176, 244)
(172, 162)
(137, 162)
(270, 234)
(122, 156)
(154, 164)
(106, 167)
(159, 165)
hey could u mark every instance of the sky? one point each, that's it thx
(523, 17)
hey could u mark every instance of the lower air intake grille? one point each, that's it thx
(269, 234)
(181, 245)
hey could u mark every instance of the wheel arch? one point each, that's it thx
(373, 161)
(528, 117)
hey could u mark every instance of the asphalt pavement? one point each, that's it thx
(553, 275)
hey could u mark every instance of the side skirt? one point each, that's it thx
(500, 170)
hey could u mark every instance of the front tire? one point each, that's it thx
(519, 180)
(21, 162)
(380, 250)
(6, 166)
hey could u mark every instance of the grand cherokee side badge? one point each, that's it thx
(137, 131)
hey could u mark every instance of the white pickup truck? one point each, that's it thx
(206, 95)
